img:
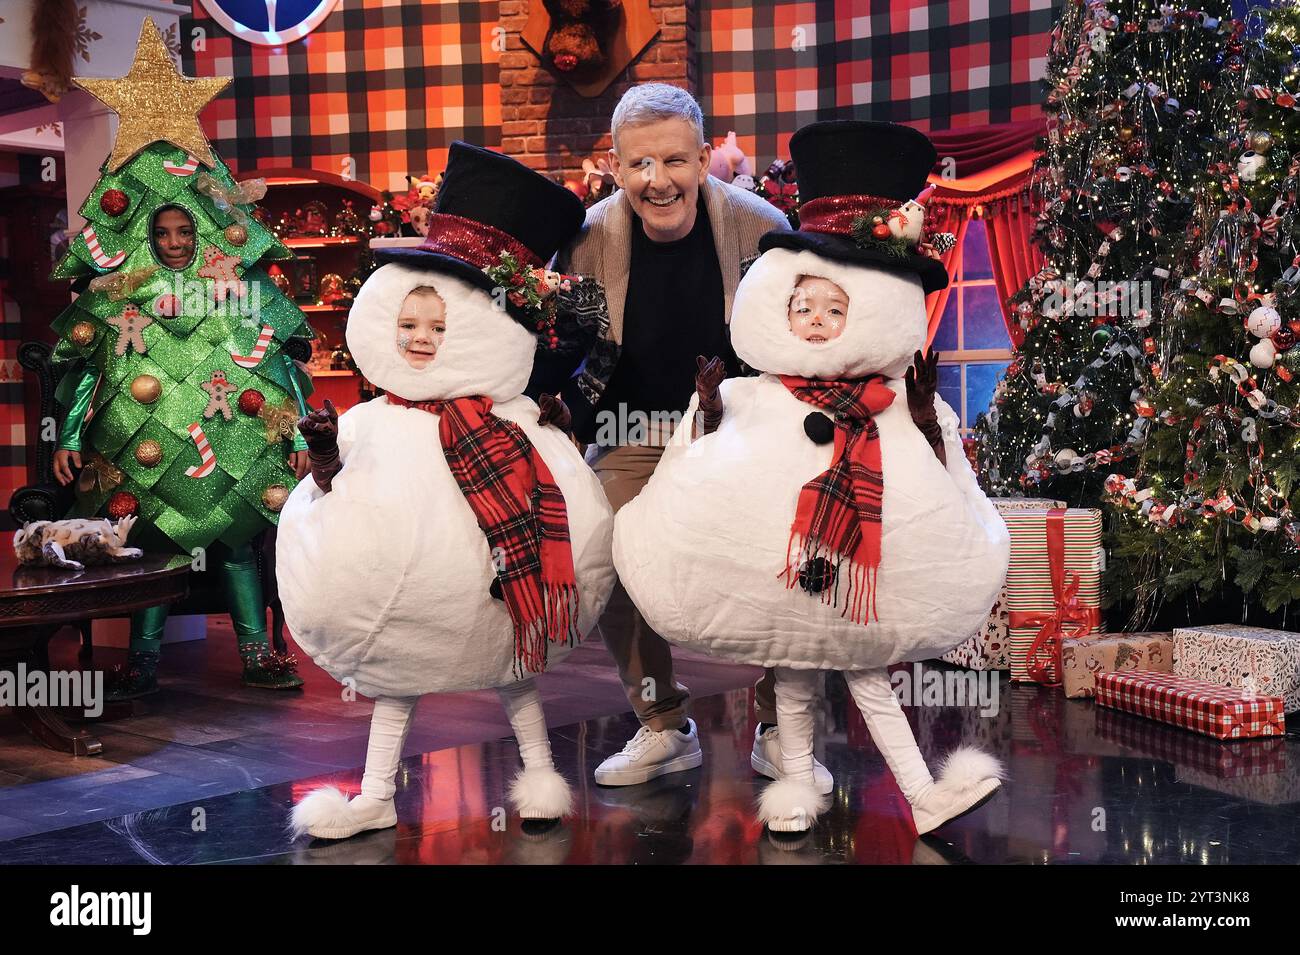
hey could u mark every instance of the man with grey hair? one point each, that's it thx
(667, 250)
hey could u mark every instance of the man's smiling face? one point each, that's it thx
(661, 166)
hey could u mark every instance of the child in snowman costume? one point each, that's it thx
(448, 540)
(799, 520)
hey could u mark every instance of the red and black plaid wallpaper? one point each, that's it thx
(386, 84)
(390, 83)
(767, 68)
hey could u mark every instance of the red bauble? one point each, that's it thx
(114, 202)
(880, 231)
(1284, 338)
(123, 504)
(251, 401)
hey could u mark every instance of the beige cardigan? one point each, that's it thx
(603, 249)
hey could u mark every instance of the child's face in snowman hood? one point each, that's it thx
(797, 313)
(457, 341)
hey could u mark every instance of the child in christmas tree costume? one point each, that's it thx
(448, 540)
(809, 526)
(183, 410)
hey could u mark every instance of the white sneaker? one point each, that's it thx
(649, 754)
(766, 760)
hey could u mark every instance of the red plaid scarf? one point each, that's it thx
(838, 515)
(521, 512)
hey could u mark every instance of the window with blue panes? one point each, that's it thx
(972, 341)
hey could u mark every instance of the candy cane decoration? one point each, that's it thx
(185, 168)
(207, 458)
(102, 258)
(253, 359)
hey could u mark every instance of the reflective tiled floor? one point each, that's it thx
(1087, 785)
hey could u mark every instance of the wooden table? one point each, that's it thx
(36, 601)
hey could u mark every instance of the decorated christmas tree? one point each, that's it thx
(1131, 120)
(1215, 500)
(175, 344)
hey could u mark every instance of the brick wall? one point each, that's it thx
(549, 127)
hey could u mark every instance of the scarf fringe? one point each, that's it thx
(860, 594)
(557, 623)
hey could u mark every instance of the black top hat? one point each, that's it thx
(489, 204)
(847, 169)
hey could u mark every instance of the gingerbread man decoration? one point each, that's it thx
(221, 268)
(218, 389)
(130, 327)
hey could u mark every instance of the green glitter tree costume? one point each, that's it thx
(170, 364)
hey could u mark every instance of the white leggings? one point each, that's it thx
(871, 689)
(391, 723)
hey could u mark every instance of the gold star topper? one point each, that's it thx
(155, 102)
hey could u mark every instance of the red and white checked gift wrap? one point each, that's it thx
(1053, 586)
(989, 648)
(1233, 655)
(1219, 711)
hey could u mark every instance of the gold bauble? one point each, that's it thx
(274, 496)
(236, 234)
(146, 389)
(148, 453)
(1261, 141)
(82, 334)
(1125, 134)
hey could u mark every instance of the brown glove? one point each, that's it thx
(922, 380)
(554, 411)
(709, 374)
(320, 429)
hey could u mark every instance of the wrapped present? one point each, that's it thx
(1243, 657)
(1223, 712)
(1140, 737)
(1082, 658)
(1053, 586)
(989, 648)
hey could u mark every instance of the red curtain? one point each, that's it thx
(1009, 223)
(992, 165)
(949, 218)
(975, 149)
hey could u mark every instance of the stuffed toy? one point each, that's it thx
(812, 524)
(75, 544)
(729, 163)
(581, 31)
(447, 540)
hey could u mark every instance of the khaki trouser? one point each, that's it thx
(641, 654)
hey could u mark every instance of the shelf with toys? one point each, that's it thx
(332, 224)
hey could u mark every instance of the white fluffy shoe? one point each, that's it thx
(328, 814)
(966, 779)
(766, 760)
(541, 793)
(650, 754)
(788, 805)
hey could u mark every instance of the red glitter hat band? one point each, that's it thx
(473, 242)
(835, 214)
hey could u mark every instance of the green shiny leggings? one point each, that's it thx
(243, 587)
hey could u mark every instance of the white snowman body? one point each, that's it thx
(385, 579)
(702, 549)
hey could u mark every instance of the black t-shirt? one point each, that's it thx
(674, 311)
